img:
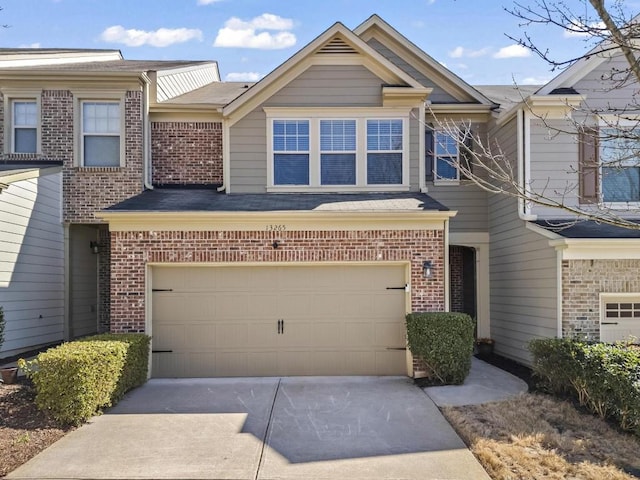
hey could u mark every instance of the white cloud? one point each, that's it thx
(577, 24)
(207, 2)
(460, 52)
(513, 51)
(30, 45)
(243, 77)
(252, 34)
(163, 37)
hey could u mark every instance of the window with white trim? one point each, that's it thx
(337, 152)
(24, 126)
(446, 157)
(291, 152)
(342, 152)
(384, 152)
(101, 126)
(620, 165)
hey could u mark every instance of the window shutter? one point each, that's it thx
(466, 155)
(428, 154)
(588, 168)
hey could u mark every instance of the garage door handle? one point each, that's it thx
(608, 323)
(396, 348)
(162, 289)
(405, 288)
(161, 351)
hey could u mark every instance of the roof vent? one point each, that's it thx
(337, 46)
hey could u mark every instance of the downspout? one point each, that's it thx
(226, 165)
(524, 168)
(146, 135)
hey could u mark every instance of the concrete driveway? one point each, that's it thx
(264, 428)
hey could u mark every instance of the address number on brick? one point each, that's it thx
(276, 228)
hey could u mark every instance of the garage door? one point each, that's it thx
(273, 321)
(620, 318)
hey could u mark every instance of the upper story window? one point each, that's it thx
(291, 152)
(384, 152)
(101, 132)
(24, 126)
(445, 153)
(620, 165)
(344, 151)
(337, 152)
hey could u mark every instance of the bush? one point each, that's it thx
(604, 378)
(75, 380)
(444, 342)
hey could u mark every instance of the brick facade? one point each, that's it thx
(186, 153)
(87, 190)
(456, 279)
(582, 283)
(131, 251)
(104, 279)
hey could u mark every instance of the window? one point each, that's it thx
(337, 152)
(620, 165)
(384, 152)
(24, 126)
(291, 152)
(446, 157)
(101, 126)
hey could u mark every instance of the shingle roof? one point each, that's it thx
(217, 93)
(507, 95)
(209, 200)
(588, 229)
(114, 66)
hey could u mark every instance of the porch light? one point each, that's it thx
(95, 247)
(427, 269)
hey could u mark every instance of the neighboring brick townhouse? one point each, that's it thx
(287, 227)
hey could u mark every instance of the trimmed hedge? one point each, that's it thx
(602, 377)
(75, 380)
(444, 342)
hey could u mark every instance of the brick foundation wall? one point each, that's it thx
(186, 153)
(582, 283)
(131, 251)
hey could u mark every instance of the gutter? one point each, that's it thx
(524, 167)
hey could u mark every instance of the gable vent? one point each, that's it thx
(337, 45)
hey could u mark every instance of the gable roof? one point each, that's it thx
(454, 82)
(335, 40)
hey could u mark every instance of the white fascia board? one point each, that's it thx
(597, 248)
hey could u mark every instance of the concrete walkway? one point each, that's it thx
(484, 384)
(372, 428)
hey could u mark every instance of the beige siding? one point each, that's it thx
(601, 96)
(331, 85)
(468, 200)
(437, 96)
(523, 273)
(554, 165)
(83, 281)
(31, 263)
(248, 152)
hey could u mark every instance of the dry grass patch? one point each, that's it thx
(535, 436)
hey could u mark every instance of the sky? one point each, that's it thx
(249, 38)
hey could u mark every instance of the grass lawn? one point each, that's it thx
(536, 436)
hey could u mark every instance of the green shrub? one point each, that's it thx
(444, 342)
(604, 378)
(134, 372)
(76, 380)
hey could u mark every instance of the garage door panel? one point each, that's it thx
(223, 321)
(169, 337)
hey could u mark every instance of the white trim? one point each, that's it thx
(542, 231)
(81, 96)
(437, 180)
(12, 176)
(597, 249)
(361, 116)
(25, 95)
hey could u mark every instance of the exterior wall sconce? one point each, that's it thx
(427, 269)
(95, 247)
(275, 244)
